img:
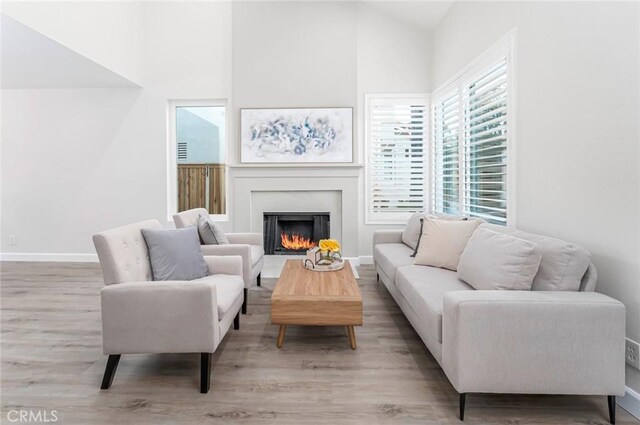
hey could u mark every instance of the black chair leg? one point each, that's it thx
(236, 322)
(612, 408)
(205, 372)
(377, 277)
(244, 303)
(259, 279)
(463, 397)
(110, 371)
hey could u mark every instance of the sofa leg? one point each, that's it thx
(205, 372)
(612, 408)
(110, 371)
(244, 303)
(259, 279)
(236, 322)
(463, 397)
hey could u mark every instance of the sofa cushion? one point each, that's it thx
(495, 260)
(390, 256)
(424, 287)
(228, 289)
(443, 241)
(175, 254)
(413, 229)
(256, 254)
(563, 263)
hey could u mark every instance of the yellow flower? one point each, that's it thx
(330, 245)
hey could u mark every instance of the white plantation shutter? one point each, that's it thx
(446, 173)
(485, 145)
(469, 141)
(396, 149)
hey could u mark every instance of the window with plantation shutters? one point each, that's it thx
(396, 142)
(470, 139)
(446, 154)
(485, 145)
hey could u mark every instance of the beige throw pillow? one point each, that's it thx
(443, 241)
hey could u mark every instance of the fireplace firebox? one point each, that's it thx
(288, 233)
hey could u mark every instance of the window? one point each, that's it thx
(396, 129)
(198, 153)
(470, 141)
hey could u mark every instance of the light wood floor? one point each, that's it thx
(52, 359)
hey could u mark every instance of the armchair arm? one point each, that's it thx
(387, 236)
(160, 317)
(231, 264)
(242, 250)
(534, 342)
(245, 238)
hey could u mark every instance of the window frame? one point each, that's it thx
(393, 218)
(172, 153)
(505, 48)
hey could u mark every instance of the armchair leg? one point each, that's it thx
(612, 408)
(110, 371)
(205, 372)
(244, 303)
(236, 322)
(259, 276)
(463, 399)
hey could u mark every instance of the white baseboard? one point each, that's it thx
(366, 259)
(65, 258)
(630, 402)
(354, 260)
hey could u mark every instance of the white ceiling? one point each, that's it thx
(423, 13)
(32, 60)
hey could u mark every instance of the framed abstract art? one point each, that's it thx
(294, 135)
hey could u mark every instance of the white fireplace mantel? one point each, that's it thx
(336, 188)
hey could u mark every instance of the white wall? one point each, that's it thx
(284, 54)
(325, 54)
(109, 33)
(577, 129)
(75, 162)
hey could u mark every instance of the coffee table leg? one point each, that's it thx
(283, 329)
(352, 337)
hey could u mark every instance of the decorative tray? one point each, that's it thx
(338, 264)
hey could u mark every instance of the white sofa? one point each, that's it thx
(528, 342)
(141, 316)
(247, 245)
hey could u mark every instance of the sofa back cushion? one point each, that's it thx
(495, 260)
(443, 241)
(563, 264)
(413, 229)
(123, 253)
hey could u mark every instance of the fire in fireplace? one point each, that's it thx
(294, 232)
(296, 242)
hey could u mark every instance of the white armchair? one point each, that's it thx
(143, 316)
(247, 245)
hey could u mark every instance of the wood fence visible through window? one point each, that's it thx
(202, 186)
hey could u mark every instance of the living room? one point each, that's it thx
(320, 211)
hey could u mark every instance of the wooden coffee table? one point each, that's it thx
(308, 298)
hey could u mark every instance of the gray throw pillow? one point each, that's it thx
(210, 232)
(175, 254)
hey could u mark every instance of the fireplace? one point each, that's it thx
(293, 232)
